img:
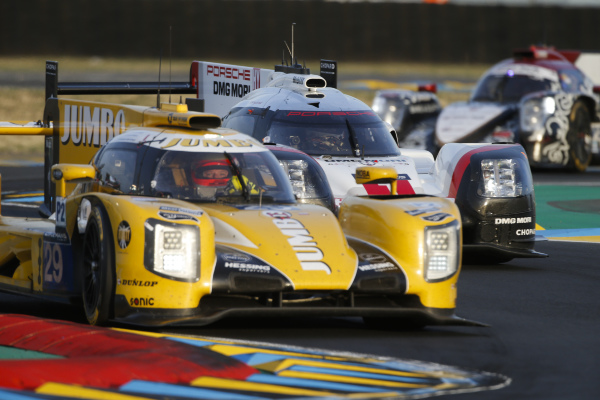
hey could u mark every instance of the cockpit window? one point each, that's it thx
(116, 170)
(220, 177)
(335, 133)
(508, 88)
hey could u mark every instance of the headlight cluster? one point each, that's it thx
(442, 246)
(172, 250)
(534, 112)
(297, 171)
(499, 178)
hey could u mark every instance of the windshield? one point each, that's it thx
(335, 133)
(221, 177)
(508, 88)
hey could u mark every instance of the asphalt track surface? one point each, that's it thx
(543, 314)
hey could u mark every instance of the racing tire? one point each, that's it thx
(579, 138)
(98, 275)
(395, 324)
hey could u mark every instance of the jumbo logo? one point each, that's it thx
(207, 143)
(91, 126)
(304, 245)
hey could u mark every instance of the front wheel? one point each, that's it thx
(98, 268)
(579, 138)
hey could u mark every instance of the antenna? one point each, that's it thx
(170, 60)
(158, 92)
(293, 23)
(289, 51)
(294, 67)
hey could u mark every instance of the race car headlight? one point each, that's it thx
(172, 250)
(499, 178)
(534, 112)
(297, 173)
(442, 247)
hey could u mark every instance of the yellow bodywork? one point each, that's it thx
(388, 224)
(304, 243)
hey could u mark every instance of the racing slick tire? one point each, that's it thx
(579, 138)
(98, 277)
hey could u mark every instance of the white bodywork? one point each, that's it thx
(219, 87)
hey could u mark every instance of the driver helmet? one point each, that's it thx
(211, 172)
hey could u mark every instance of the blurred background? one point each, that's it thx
(448, 31)
(378, 44)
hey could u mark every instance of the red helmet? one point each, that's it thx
(211, 172)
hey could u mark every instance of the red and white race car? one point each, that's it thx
(288, 106)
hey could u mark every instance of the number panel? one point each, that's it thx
(57, 264)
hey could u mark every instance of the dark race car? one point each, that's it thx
(538, 98)
(412, 114)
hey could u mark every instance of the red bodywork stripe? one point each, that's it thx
(403, 187)
(103, 358)
(462, 164)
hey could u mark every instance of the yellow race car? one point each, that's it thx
(178, 221)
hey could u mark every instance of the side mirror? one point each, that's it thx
(387, 175)
(63, 173)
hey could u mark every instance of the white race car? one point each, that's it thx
(490, 183)
(541, 98)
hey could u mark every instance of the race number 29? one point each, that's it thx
(53, 263)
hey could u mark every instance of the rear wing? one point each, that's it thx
(75, 130)
(221, 86)
(586, 61)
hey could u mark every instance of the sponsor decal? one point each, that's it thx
(123, 234)
(328, 65)
(340, 161)
(385, 266)
(244, 267)
(372, 257)
(236, 73)
(141, 301)
(401, 177)
(525, 232)
(90, 126)
(230, 89)
(135, 282)
(363, 174)
(236, 257)
(176, 216)
(197, 213)
(438, 217)
(207, 143)
(175, 119)
(419, 211)
(303, 244)
(58, 237)
(274, 207)
(510, 221)
(298, 80)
